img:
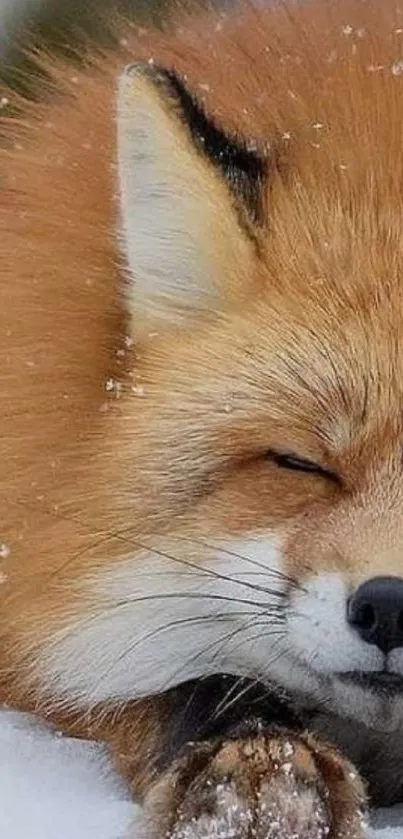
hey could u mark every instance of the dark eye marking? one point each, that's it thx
(284, 460)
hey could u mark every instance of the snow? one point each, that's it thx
(54, 787)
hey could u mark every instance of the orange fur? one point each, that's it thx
(307, 359)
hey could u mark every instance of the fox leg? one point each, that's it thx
(254, 781)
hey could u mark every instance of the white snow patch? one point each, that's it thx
(52, 787)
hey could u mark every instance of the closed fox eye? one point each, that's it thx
(287, 460)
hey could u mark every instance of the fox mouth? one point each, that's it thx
(379, 682)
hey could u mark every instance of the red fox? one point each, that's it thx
(201, 438)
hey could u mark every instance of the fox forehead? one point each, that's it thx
(306, 361)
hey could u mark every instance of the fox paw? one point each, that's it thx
(272, 785)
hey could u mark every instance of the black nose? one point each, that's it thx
(375, 611)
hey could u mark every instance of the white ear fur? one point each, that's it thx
(178, 226)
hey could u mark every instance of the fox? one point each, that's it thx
(201, 413)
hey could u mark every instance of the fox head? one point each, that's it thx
(239, 506)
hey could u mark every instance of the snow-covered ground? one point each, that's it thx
(53, 787)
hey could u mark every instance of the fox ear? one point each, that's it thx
(186, 192)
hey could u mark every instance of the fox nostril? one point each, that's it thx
(364, 617)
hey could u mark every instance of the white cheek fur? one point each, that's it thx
(156, 622)
(318, 632)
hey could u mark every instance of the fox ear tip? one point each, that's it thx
(139, 69)
(149, 71)
(130, 74)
